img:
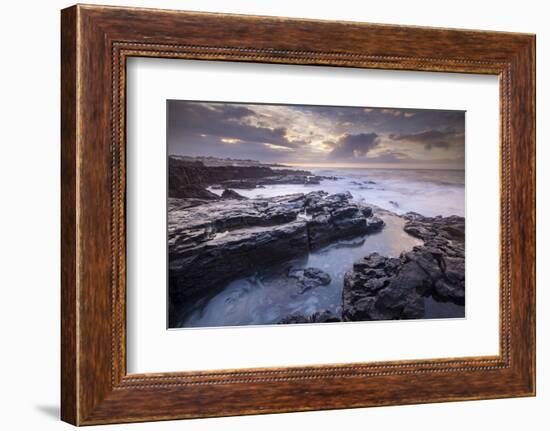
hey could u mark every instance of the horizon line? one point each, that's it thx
(410, 165)
(369, 165)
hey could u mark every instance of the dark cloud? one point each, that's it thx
(388, 120)
(354, 146)
(389, 156)
(431, 139)
(196, 116)
(315, 134)
(189, 122)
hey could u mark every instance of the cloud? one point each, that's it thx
(354, 146)
(398, 113)
(226, 140)
(278, 147)
(431, 139)
(389, 156)
(392, 112)
(225, 122)
(314, 134)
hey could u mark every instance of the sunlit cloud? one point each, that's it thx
(278, 147)
(230, 140)
(392, 112)
(301, 134)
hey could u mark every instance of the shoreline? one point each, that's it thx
(322, 314)
(256, 245)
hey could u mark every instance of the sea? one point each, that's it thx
(428, 192)
(267, 296)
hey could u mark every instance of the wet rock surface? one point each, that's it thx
(190, 179)
(382, 288)
(252, 183)
(309, 278)
(232, 194)
(374, 224)
(213, 242)
(333, 217)
(324, 316)
(194, 191)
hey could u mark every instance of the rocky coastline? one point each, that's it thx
(214, 239)
(382, 288)
(214, 242)
(190, 179)
(385, 288)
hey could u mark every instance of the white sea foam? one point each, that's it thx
(267, 295)
(428, 192)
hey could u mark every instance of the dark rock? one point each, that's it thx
(384, 292)
(380, 288)
(448, 228)
(201, 262)
(374, 224)
(324, 316)
(194, 191)
(180, 204)
(295, 318)
(309, 278)
(216, 242)
(333, 217)
(418, 231)
(282, 177)
(442, 256)
(361, 183)
(183, 173)
(313, 179)
(232, 194)
(367, 211)
(242, 184)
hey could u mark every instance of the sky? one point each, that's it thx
(318, 135)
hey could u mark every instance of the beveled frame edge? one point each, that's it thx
(96, 41)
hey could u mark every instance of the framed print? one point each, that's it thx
(319, 214)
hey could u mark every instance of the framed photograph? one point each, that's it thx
(264, 215)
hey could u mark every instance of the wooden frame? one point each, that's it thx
(96, 41)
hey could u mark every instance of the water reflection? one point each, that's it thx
(269, 295)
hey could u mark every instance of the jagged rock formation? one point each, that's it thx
(189, 179)
(194, 191)
(381, 288)
(232, 194)
(309, 278)
(215, 242)
(324, 316)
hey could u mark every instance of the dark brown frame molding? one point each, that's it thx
(95, 43)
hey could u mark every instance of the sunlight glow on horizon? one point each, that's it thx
(321, 136)
(371, 166)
